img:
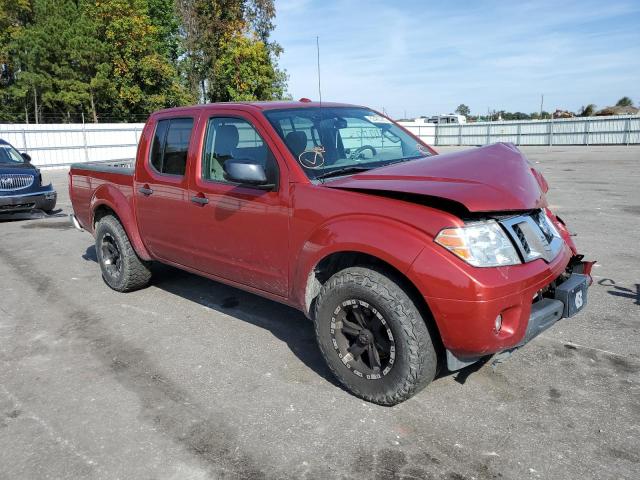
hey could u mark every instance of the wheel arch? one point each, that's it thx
(340, 260)
(108, 200)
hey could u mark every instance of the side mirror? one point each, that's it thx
(26, 157)
(244, 171)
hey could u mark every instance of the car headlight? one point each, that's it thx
(482, 244)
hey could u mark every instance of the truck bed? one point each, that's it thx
(86, 178)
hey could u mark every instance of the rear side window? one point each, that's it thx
(171, 145)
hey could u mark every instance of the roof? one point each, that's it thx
(272, 105)
(618, 110)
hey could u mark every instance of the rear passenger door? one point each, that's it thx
(161, 190)
(239, 232)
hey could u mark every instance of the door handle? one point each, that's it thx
(146, 191)
(200, 200)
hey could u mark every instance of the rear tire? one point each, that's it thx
(121, 267)
(360, 310)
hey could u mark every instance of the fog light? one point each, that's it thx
(498, 324)
(50, 195)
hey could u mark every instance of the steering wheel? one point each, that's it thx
(357, 154)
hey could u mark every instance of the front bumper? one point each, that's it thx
(565, 300)
(44, 199)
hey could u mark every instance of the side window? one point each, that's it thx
(234, 138)
(171, 145)
(157, 147)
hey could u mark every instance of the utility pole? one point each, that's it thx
(541, 105)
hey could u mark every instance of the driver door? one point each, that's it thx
(239, 233)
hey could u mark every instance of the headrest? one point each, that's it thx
(296, 141)
(226, 139)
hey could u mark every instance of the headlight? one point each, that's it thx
(480, 244)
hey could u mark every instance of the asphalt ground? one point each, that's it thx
(191, 379)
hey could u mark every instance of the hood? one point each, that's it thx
(16, 168)
(486, 179)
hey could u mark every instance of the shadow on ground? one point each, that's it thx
(624, 292)
(285, 323)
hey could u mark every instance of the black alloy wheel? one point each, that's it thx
(363, 339)
(111, 256)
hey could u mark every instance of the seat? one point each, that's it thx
(297, 142)
(226, 142)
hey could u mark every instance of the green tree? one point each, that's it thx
(587, 111)
(218, 35)
(126, 58)
(244, 71)
(139, 77)
(163, 16)
(14, 16)
(463, 110)
(55, 57)
(624, 102)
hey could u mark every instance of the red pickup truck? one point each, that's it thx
(404, 259)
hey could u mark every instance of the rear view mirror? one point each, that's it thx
(244, 171)
(26, 157)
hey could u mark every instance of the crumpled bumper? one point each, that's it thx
(567, 299)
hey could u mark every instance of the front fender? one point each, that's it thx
(389, 240)
(109, 196)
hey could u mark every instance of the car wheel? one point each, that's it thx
(121, 267)
(373, 336)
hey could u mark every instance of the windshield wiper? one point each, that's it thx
(342, 171)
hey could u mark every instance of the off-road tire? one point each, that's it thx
(135, 273)
(416, 358)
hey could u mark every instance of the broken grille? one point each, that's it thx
(533, 237)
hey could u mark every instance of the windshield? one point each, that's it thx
(332, 141)
(8, 154)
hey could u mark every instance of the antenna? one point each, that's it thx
(320, 147)
(318, 57)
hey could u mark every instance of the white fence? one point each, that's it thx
(614, 130)
(52, 145)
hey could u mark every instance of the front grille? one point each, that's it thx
(533, 237)
(523, 240)
(11, 181)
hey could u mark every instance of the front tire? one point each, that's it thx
(373, 336)
(121, 267)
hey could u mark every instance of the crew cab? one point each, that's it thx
(405, 260)
(21, 188)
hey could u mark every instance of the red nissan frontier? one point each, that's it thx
(406, 260)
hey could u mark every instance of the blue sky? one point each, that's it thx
(427, 57)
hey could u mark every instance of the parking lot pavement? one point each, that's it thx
(191, 379)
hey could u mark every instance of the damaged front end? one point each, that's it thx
(538, 236)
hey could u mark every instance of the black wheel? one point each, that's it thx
(373, 337)
(121, 267)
